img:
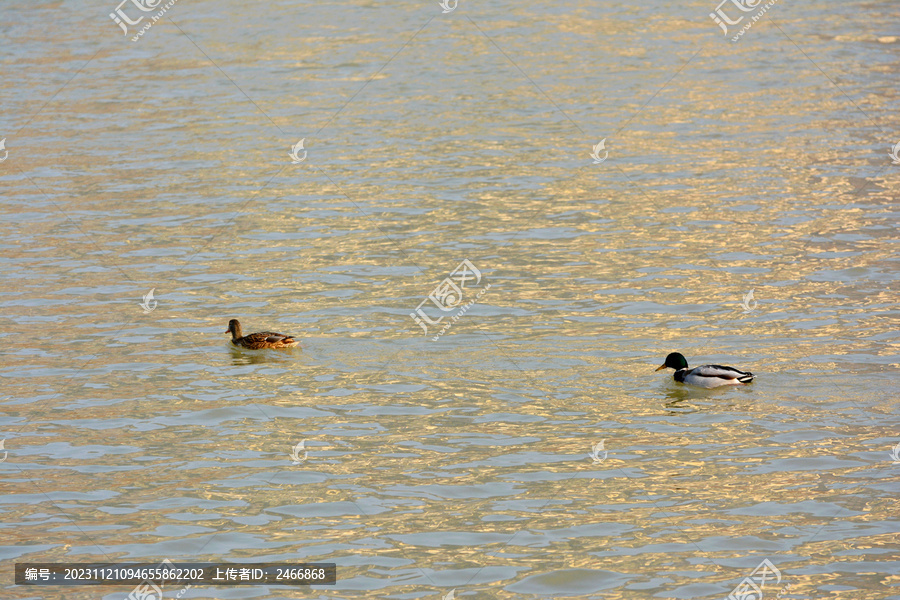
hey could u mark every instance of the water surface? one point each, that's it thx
(461, 463)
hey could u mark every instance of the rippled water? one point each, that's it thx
(461, 463)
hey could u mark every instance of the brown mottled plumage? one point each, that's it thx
(256, 341)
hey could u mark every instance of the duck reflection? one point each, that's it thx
(256, 357)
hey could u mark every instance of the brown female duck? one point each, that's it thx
(256, 341)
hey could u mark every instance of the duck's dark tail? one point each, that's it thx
(746, 377)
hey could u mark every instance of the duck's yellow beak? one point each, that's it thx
(661, 367)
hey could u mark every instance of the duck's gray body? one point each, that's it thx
(710, 376)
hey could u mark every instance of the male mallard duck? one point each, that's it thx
(708, 376)
(263, 339)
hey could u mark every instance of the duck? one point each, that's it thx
(256, 341)
(707, 376)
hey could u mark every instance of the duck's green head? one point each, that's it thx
(675, 360)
